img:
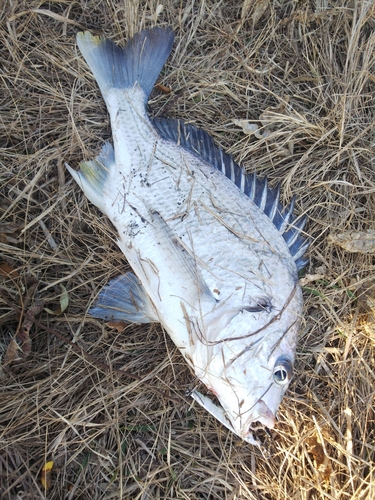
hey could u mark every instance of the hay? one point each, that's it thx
(303, 74)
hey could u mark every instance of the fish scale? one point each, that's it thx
(215, 256)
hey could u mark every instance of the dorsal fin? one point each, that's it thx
(201, 144)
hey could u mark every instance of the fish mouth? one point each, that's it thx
(266, 416)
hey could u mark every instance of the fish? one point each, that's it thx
(215, 256)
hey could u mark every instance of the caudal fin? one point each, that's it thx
(140, 61)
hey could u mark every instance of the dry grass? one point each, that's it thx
(136, 435)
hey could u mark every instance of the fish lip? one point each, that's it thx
(266, 417)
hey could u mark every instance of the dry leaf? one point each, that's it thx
(11, 353)
(64, 298)
(265, 132)
(159, 10)
(355, 241)
(259, 9)
(163, 88)
(246, 6)
(249, 128)
(117, 325)
(7, 270)
(45, 476)
(322, 462)
(309, 278)
(64, 302)
(9, 233)
(20, 346)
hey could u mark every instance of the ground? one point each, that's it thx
(104, 406)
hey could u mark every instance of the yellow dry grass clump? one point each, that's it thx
(88, 411)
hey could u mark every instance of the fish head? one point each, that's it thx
(251, 364)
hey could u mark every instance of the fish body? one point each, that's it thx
(215, 256)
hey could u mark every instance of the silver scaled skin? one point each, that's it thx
(210, 265)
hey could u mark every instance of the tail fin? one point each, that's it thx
(140, 61)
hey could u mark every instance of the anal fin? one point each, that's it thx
(93, 174)
(124, 299)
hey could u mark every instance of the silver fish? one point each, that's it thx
(214, 254)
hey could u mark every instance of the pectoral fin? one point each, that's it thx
(169, 258)
(124, 299)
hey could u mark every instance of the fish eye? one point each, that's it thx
(283, 371)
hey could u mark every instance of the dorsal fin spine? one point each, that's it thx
(275, 204)
(301, 250)
(232, 174)
(293, 233)
(242, 186)
(287, 215)
(254, 186)
(221, 161)
(263, 199)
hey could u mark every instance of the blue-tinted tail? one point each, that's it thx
(140, 61)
